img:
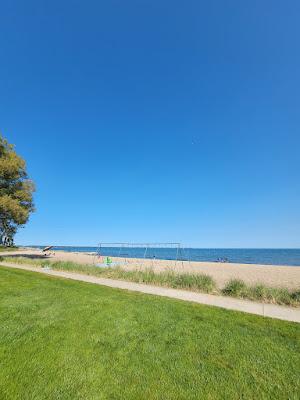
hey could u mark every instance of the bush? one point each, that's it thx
(269, 295)
(235, 288)
(296, 296)
(202, 282)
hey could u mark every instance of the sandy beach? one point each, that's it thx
(270, 275)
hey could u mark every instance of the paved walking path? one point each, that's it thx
(266, 310)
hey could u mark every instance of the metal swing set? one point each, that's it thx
(111, 254)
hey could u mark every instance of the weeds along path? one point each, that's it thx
(266, 310)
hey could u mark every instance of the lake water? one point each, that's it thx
(246, 256)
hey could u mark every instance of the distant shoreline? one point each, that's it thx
(272, 257)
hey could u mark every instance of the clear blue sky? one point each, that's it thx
(156, 120)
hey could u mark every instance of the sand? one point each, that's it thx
(270, 275)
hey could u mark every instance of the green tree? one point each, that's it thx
(16, 190)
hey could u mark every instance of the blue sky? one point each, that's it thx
(156, 120)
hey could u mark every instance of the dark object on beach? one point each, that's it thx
(222, 260)
(47, 248)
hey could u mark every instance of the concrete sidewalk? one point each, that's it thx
(266, 310)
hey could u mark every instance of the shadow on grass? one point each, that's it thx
(29, 256)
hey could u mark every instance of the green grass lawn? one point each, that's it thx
(63, 339)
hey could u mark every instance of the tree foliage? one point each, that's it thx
(16, 190)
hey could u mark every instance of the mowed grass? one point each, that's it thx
(63, 339)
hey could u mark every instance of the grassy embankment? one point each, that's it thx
(194, 282)
(5, 249)
(61, 339)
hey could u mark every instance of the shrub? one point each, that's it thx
(202, 282)
(296, 296)
(235, 288)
